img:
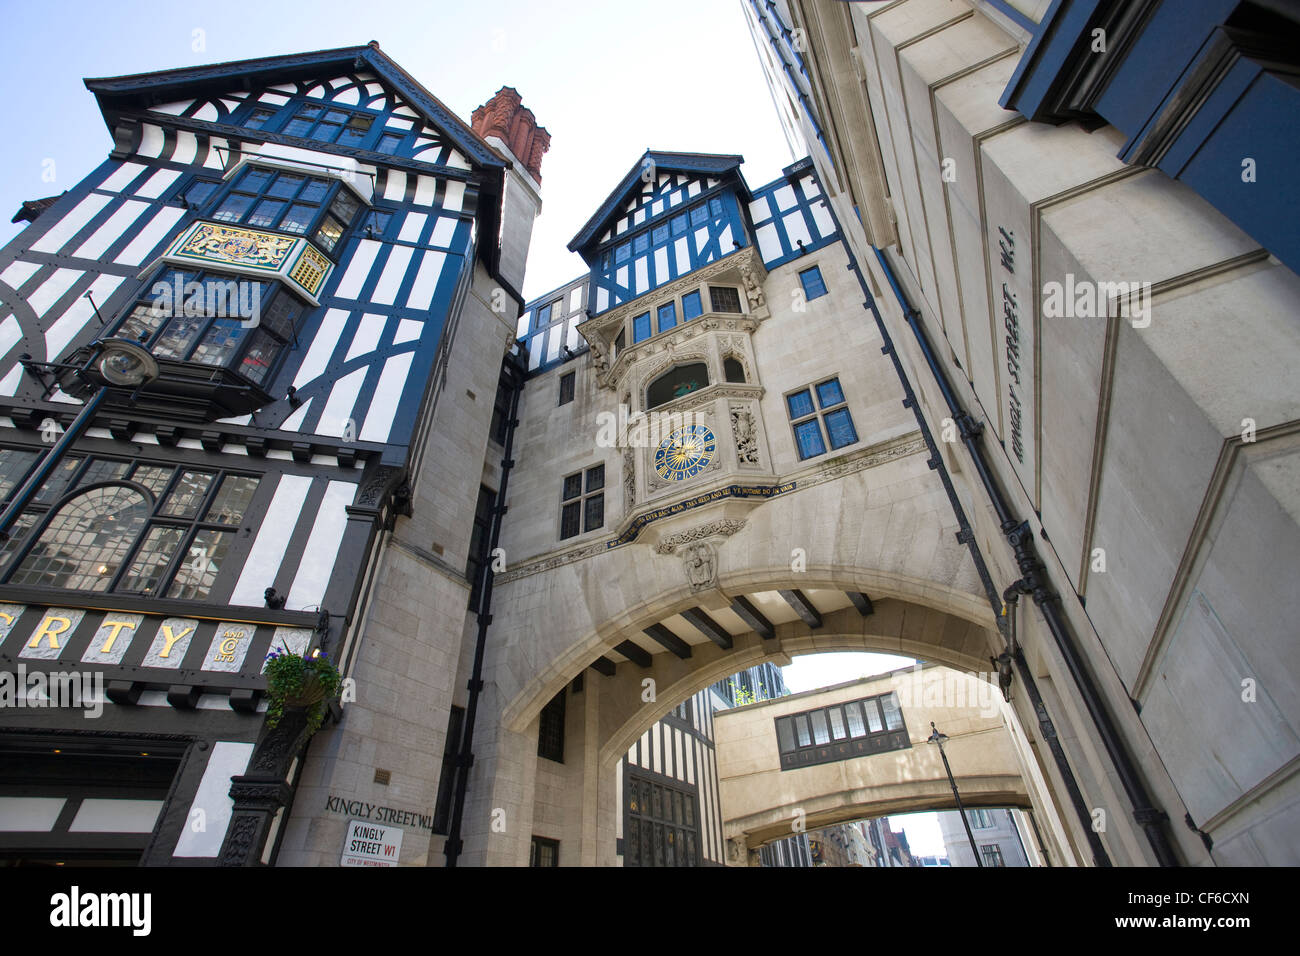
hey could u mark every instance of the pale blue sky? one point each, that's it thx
(607, 79)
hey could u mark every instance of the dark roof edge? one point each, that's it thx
(384, 66)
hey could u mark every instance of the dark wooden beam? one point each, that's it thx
(603, 665)
(803, 607)
(657, 632)
(753, 617)
(708, 627)
(862, 603)
(635, 653)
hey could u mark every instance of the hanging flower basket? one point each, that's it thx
(300, 683)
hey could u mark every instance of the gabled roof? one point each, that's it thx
(148, 89)
(714, 164)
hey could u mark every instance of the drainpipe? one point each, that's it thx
(465, 756)
(1034, 582)
(965, 535)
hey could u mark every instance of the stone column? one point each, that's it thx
(261, 792)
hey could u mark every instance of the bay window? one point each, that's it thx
(216, 319)
(285, 201)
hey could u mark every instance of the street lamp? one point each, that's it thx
(938, 738)
(114, 363)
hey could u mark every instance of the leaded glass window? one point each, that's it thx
(582, 507)
(214, 319)
(109, 525)
(841, 732)
(85, 543)
(660, 824)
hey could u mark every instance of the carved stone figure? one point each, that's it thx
(629, 480)
(753, 291)
(746, 434)
(701, 566)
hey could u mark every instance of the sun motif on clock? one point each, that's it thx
(685, 453)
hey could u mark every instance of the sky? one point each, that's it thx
(607, 78)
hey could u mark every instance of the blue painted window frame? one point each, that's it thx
(330, 206)
(692, 307)
(641, 328)
(820, 418)
(667, 311)
(317, 123)
(814, 286)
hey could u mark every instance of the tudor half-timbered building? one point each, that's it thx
(316, 262)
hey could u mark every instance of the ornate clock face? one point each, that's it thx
(685, 453)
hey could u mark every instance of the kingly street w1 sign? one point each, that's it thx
(368, 844)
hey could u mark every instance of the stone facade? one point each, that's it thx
(1145, 445)
(767, 800)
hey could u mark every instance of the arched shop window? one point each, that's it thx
(128, 527)
(83, 546)
(215, 319)
(677, 382)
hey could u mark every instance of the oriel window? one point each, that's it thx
(217, 319)
(286, 201)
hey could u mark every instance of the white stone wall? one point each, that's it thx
(411, 631)
(1137, 434)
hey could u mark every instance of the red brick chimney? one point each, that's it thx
(505, 117)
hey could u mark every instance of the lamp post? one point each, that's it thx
(938, 738)
(116, 362)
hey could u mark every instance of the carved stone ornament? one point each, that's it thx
(743, 266)
(736, 850)
(746, 434)
(373, 490)
(629, 480)
(724, 527)
(701, 565)
(753, 291)
(599, 358)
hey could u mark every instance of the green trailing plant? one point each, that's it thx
(296, 681)
(743, 696)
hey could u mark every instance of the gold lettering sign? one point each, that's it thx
(116, 627)
(226, 651)
(50, 628)
(169, 639)
(229, 645)
(50, 638)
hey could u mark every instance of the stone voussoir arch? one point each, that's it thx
(910, 612)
